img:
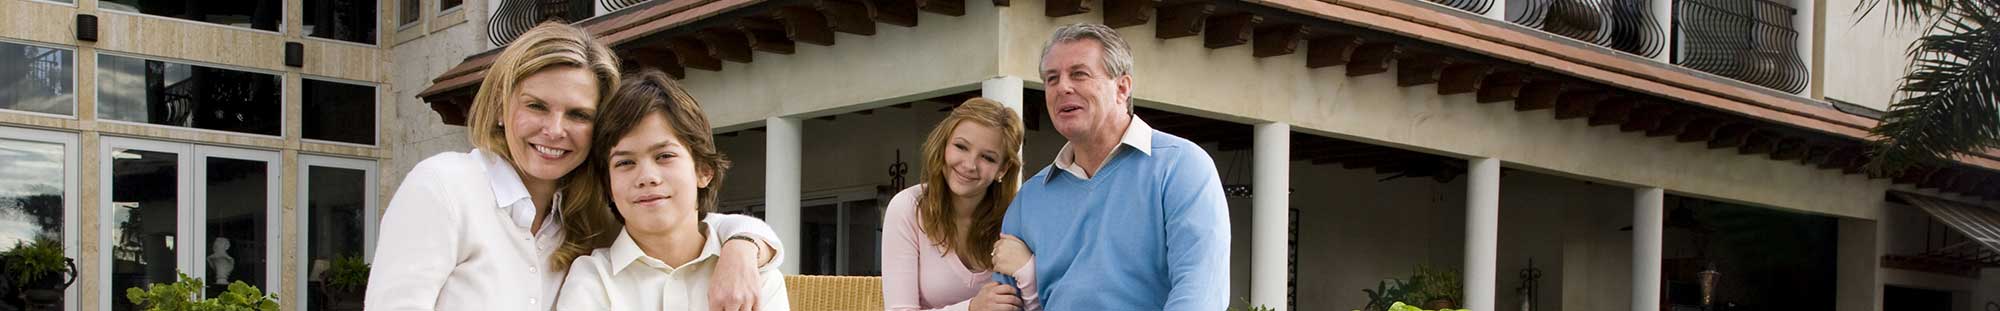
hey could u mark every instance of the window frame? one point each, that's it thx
(76, 60)
(280, 31)
(371, 216)
(98, 92)
(442, 10)
(419, 20)
(378, 31)
(374, 109)
(190, 160)
(71, 158)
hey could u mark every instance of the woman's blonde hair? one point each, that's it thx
(934, 205)
(589, 219)
(549, 45)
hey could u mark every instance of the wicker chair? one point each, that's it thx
(838, 293)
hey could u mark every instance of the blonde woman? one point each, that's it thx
(657, 164)
(939, 238)
(476, 230)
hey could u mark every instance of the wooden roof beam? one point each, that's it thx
(1373, 58)
(1227, 30)
(1331, 50)
(1571, 105)
(1278, 40)
(1182, 19)
(847, 16)
(1124, 13)
(804, 24)
(765, 35)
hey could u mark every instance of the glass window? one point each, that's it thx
(31, 191)
(333, 110)
(449, 4)
(344, 20)
(338, 210)
(179, 208)
(411, 10)
(37, 79)
(145, 205)
(254, 14)
(841, 238)
(167, 93)
(237, 203)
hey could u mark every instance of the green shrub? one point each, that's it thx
(29, 262)
(185, 295)
(347, 273)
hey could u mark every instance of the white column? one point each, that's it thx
(1004, 89)
(1663, 17)
(1482, 232)
(1270, 205)
(1498, 11)
(1802, 21)
(782, 154)
(1649, 218)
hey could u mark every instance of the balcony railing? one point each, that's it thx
(1748, 40)
(515, 17)
(1474, 6)
(1624, 25)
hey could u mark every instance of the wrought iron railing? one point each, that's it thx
(515, 17)
(615, 5)
(1474, 6)
(1748, 40)
(1624, 25)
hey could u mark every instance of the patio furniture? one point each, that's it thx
(831, 292)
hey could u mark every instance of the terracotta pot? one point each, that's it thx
(1440, 303)
(345, 300)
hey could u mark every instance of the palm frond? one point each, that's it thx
(1946, 104)
(1908, 11)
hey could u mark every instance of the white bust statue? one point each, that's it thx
(218, 259)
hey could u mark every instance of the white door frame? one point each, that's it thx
(191, 185)
(183, 200)
(273, 194)
(70, 158)
(370, 215)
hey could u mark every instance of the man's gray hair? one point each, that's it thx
(1117, 58)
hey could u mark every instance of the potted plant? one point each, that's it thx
(346, 283)
(185, 295)
(1436, 288)
(1439, 289)
(39, 272)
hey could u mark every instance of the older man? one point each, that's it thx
(1127, 218)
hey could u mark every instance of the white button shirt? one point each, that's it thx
(623, 277)
(457, 236)
(1139, 135)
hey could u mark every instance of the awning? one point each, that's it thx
(1979, 225)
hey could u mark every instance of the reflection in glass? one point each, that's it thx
(165, 93)
(339, 112)
(841, 238)
(145, 205)
(334, 207)
(344, 20)
(37, 79)
(236, 223)
(31, 191)
(255, 14)
(410, 12)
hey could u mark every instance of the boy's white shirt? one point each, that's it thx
(623, 277)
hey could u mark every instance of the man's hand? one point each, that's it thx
(995, 297)
(734, 284)
(1009, 254)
